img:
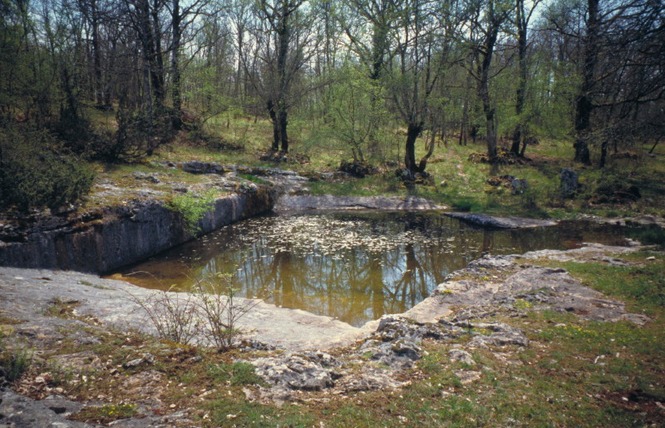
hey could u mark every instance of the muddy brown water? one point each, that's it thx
(355, 266)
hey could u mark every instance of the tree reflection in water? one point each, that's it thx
(354, 267)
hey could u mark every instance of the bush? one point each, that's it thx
(649, 235)
(221, 309)
(139, 134)
(174, 315)
(13, 363)
(34, 174)
(193, 208)
(211, 312)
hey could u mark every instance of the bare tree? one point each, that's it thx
(283, 57)
(522, 18)
(488, 17)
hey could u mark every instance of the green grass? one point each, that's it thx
(193, 207)
(238, 373)
(106, 413)
(643, 287)
(457, 182)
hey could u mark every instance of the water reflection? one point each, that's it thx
(354, 267)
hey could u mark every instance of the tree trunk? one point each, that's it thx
(603, 154)
(491, 135)
(283, 122)
(584, 104)
(275, 126)
(158, 59)
(147, 36)
(175, 64)
(483, 81)
(521, 21)
(430, 151)
(283, 35)
(413, 132)
(97, 58)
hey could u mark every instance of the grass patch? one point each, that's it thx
(105, 414)
(238, 373)
(642, 287)
(14, 363)
(193, 207)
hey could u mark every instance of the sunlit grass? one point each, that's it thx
(455, 182)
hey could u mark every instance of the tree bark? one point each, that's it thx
(96, 53)
(175, 63)
(283, 122)
(487, 51)
(413, 132)
(283, 34)
(584, 105)
(275, 126)
(521, 21)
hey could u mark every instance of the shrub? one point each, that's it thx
(221, 309)
(138, 135)
(34, 174)
(212, 312)
(13, 363)
(193, 207)
(238, 373)
(173, 314)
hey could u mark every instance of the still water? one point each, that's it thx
(351, 266)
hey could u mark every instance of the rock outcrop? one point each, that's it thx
(488, 221)
(329, 202)
(103, 241)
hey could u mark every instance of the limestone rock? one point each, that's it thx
(501, 335)
(462, 356)
(198, 167)
(307, 371)
(485, 220)
(370, 379)
(19, 411)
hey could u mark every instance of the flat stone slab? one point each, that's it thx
(27, 294)
(494, 283)
(329, 202)
(485, 220)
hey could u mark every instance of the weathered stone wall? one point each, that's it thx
(122, 235)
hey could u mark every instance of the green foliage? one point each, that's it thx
(651, 235)
(13, 363)
(357, 114)
(237, 374)
(106, 413)
(33, 174)
(193, 207)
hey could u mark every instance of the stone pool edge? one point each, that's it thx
(123, 235)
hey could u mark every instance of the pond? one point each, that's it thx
(351, 266)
